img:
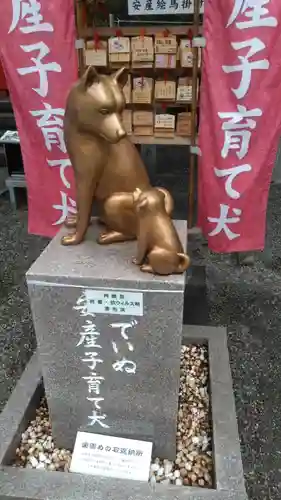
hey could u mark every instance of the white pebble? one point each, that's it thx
(168, 468)
(178, 481)
(40, 466)
(160, 471)
(177, 474)
(196, 440)
(203, 391)
(42, 457)
(154, 467)
(33, 461)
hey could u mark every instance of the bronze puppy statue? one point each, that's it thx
(159, 249)
(104, 159)
(120, 215)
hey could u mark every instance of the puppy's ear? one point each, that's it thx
(161, 193)
(90, 76)
(120, 76)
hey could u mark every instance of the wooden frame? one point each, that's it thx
(194, 109)
(87, 33)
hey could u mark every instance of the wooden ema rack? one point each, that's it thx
(157, 106)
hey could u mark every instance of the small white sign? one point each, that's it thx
(114, 302)
(162, 7)
(111, 456)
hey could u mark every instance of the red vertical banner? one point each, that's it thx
(37, 49)
(240, 121)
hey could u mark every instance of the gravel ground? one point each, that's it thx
(248, 301)
(17, 252)
(193, 465)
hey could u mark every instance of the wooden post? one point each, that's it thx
(80, 27)
(192, 166)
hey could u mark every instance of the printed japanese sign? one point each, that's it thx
(162, 7)
(111, 456)
(115, 302)
(37, 49)
(240, 121)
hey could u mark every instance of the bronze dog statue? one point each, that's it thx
(104, 159)
(159, 249)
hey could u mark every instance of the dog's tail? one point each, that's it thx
(169, 202)
(184, 262)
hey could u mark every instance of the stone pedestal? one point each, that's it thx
(109, 340)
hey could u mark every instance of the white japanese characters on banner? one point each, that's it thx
(239, 130)
(162, 7)
(92, 357)
(37, 49)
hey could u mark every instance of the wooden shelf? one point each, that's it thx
(165, 141)
(157, 104)
(105, 31)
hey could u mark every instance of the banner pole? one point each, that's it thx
(192, 163)
(81, 16)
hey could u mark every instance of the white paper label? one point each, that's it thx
(111, 456)
(114, 302)
(161, 7)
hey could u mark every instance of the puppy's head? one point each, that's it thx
(150, 201)
(104, 104)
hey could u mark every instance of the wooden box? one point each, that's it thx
(165, 90)
(127, 120)
(142, 51)
(184, 90)
(164, 125)
(142, 90)
(143, 123)
(183, 128)
(119, 50)
(96, 53)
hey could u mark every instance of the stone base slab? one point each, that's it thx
(23, 484)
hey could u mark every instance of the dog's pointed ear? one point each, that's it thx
(142, 204)
(136, 195)
(120, 76)
(90, 76)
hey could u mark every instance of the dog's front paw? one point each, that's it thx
(71, 239)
